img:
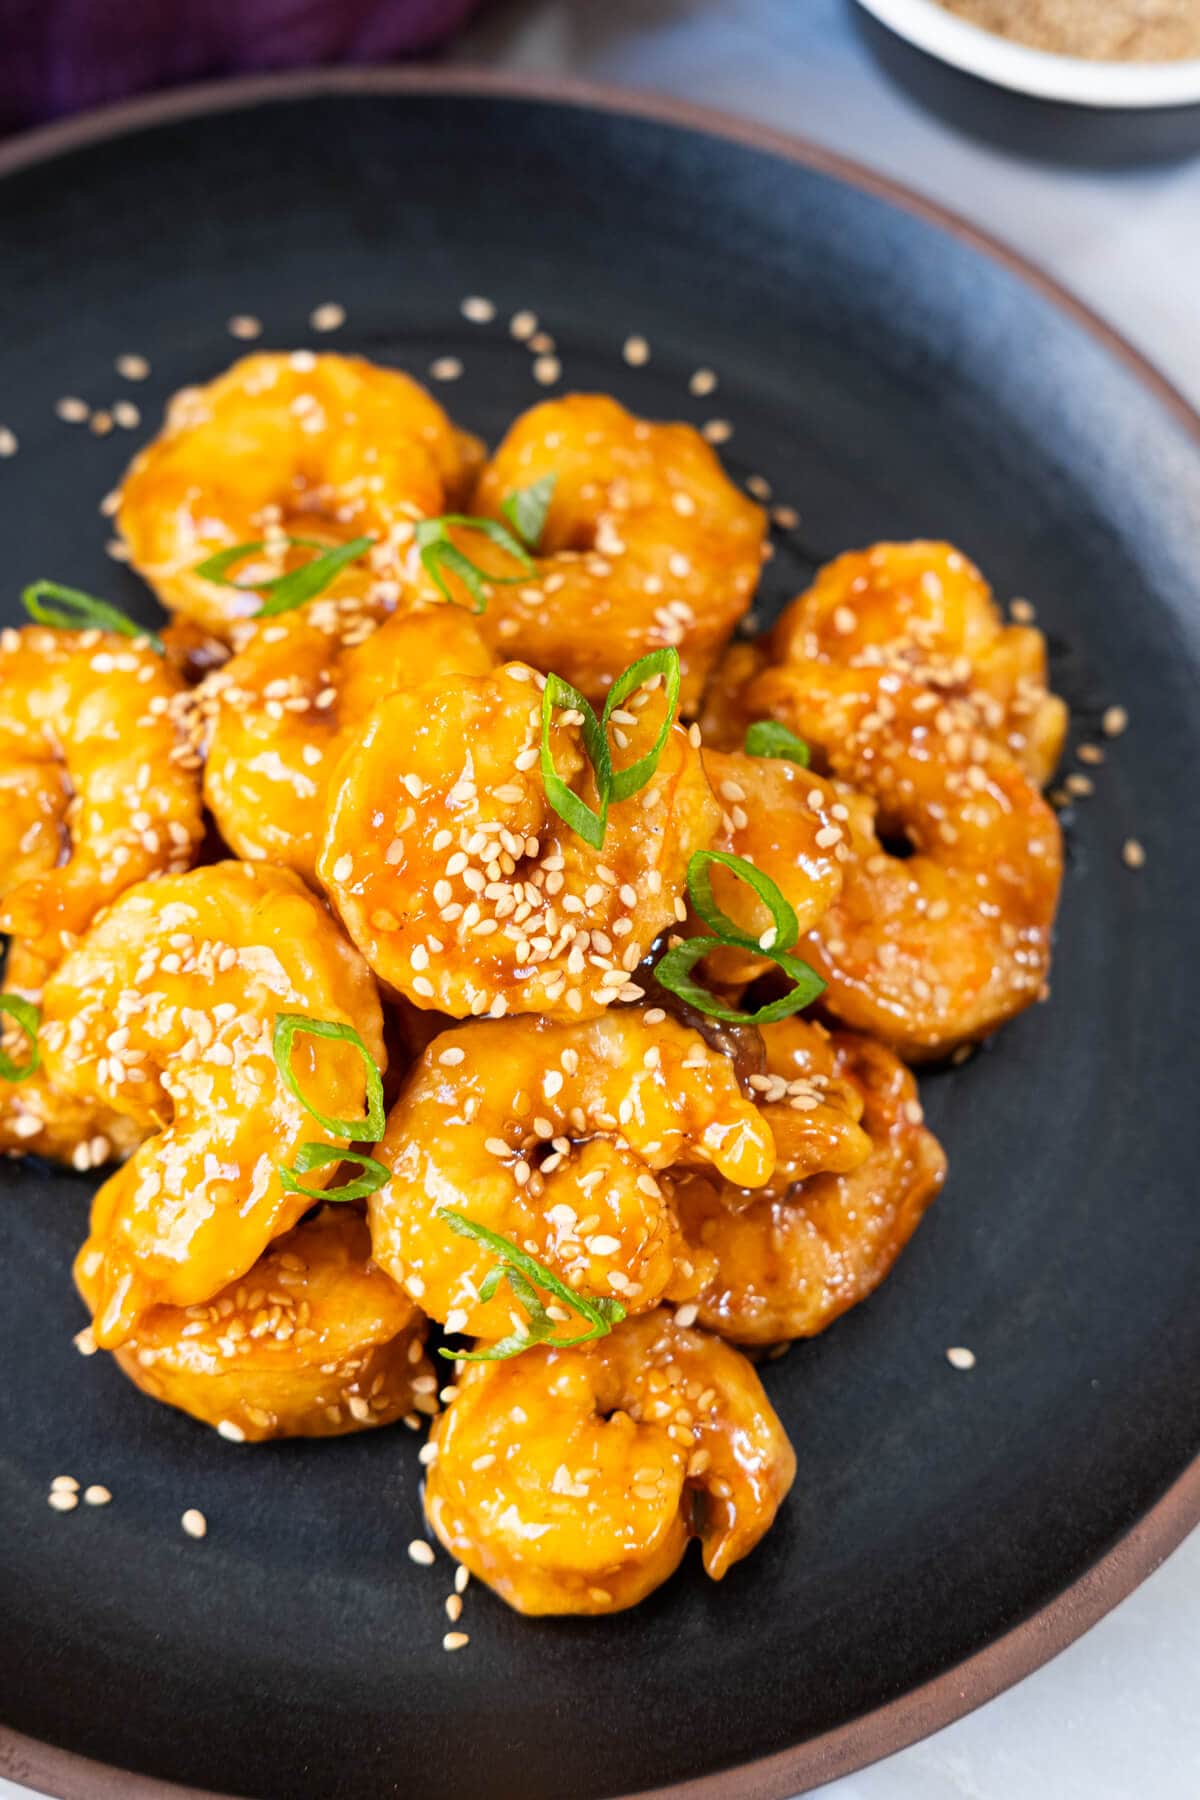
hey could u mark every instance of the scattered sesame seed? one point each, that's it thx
(1115, 721)
(786, 517)
(716, 431)
(244, 326)
(194, 1522)
(8, 441)
(233, 1433)
(687, 1315)
(461, 1577)
(960, 1358)
(546, 370)
(421, 1552)
(454, 1608)
(64, 1484)
(1092, 754)
(100, 423)
(701, 382)
(96, 1495)
(478, 310)
(126, 415)
(62, 1500)
(636, 351)
(72, 409)
(1023, 611)
(1133, 854)
(445, 368)
(327, 317)
(132, 367)
(455, 1640)
(85, 1341)
(523, 324)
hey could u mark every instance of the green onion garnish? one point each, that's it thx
(611, 784)
(359, 1131)
(674, 970)
(441, 556)
(70, 609)
(28, 1017)
(319, 1156)
(659, 662)
(284, 592)
(588, 825)
(522, 1271)
(526, 509)
(767, 737)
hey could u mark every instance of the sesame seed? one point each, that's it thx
(701, 382)
(342, 868)
(960, 1358)
(100, 423)
(62, 1501)
(71, 409)
(8, 441)
(716, 431)
(446, 368)
(687, 1315)
(421, 1552)
(329, 316)
(636, 351)
(786, 517)
(546, 370)
(244, 326)
(64, 1484)
(1133, 854)
(96, 1495)
(126, 415)
(1115, 721)
(231, 1432)
(1023, 611)
(461, 1577)
(454, 1608)
(194, 1522)
(132, 367)
(455, 1640)
(1092, 754)
(523, 324)
(85, 1341)
(478, 310)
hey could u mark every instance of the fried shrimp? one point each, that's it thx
(571, 1480)
(166, 1012)
(646, 543)
(314, 1341)
(550, 1136)
(788, 1265)
(326, 448)
(462, 885)
(942, 946)
(277, 717)
(99, 788)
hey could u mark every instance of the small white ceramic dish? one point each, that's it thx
(1028, 71)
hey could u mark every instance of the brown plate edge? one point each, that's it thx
(1035, 1640)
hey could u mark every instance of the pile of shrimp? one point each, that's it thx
(416, 934)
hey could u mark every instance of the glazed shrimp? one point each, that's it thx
(465, 890)
(100, 789)
(314, 1341)
(789, 1265)
(276, 719)
(326, 448)
(941, 947)
(166, 1012)
(571, 1480)
(646, 543)
(550, 1136)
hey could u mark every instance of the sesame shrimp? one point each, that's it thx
(313, 1341)
(277, 717)
(939, 947)
(571, 1480)
(788, 1265)
(326, 448)
(165, 1012)
(98, 788)
(646, 543)
(464, 888)
(551, 1135)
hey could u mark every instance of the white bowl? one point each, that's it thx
(1028, 71)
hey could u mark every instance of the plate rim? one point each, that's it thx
(1150, 1539)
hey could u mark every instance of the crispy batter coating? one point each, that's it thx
(551, 1135)
(789, 1264)
(464, 889)
(895, 669)
(320, 447)
(571, 1480)
(99, 787)
(314, 1341)
(278, 717)
(165, 1012)
(647, 543)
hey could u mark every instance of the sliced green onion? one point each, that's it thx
(359, 1131)
(70, 609)
(439, 553)
(284, 592)
(674, 972)
(767, 737)
(699, 882)
(659, 662)
(588, 825)
(524, 1275)
(319, 1156)
(28, 1017)
(526, 509)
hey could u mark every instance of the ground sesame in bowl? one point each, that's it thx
(1099, 30)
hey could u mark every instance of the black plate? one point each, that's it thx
(889, 378)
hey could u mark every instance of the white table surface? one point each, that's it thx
(1114, 1717)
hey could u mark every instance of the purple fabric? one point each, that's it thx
(61, 56)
